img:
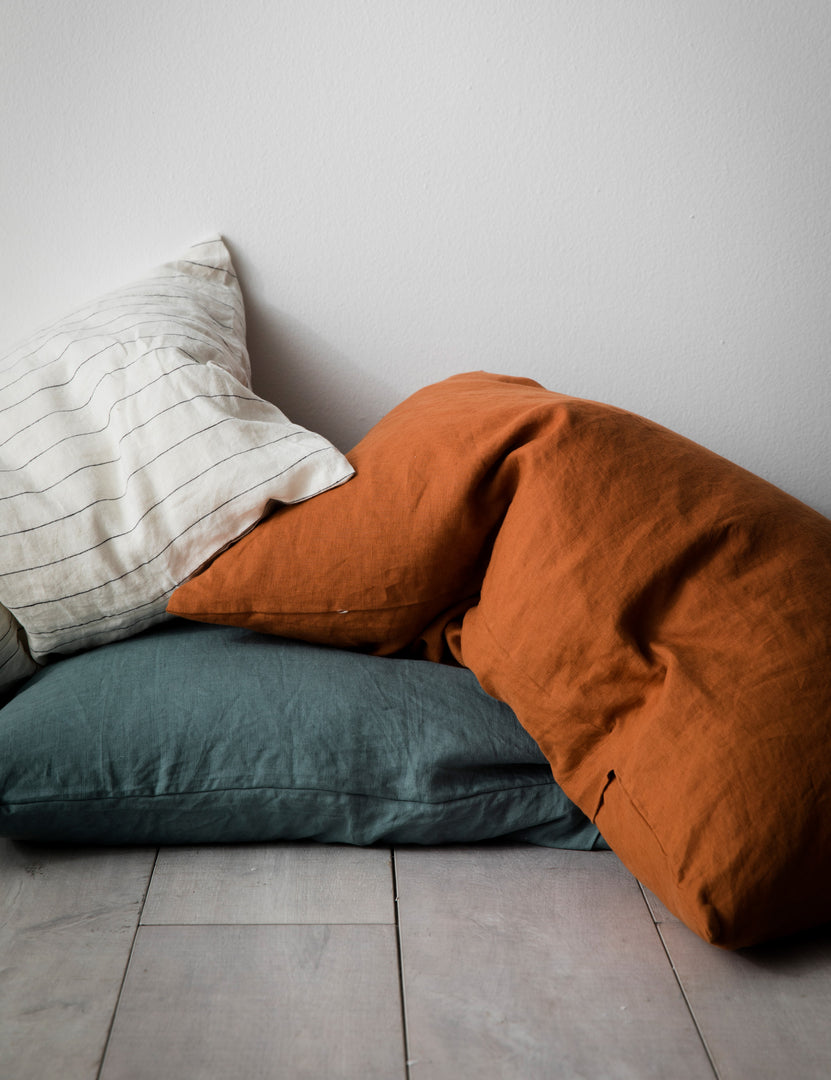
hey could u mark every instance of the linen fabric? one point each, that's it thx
(133, 449)
(15, 662)
(658, 618)
(201, 734)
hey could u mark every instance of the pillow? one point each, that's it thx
(199, 734)
(133, 449)
(15, 662)
(390, 558)
(658, 619)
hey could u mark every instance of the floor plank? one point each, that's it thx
(67, 922)
(304, 1002)
(764, 1012)
(526, 962)
(271, 883)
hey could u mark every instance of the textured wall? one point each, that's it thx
(626, 201)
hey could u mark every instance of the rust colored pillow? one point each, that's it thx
(386, 569)
(657, 617)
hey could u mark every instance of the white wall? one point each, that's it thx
(626, 200)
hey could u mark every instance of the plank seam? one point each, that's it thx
(680, 983)
(127, 966)
(402, 993)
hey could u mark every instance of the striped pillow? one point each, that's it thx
(15, 661)
(132, 450)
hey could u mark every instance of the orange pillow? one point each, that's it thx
(398, 559)
(658, 618)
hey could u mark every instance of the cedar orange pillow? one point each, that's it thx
(384, 569)
(658, 618)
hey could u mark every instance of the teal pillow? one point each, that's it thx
(192, 733)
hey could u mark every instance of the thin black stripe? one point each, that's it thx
(122, 629)
(126, 435)
(117, 303)
(97, 431)
(119, 632)
(108, 329)
(102, 330)
(11, 636)
(124, 301)
(141, 468)
(81, 408)
(209, 266)
(113, 343)
(8, 659)
(14, 656)
(149, 510)
(161, 598)
(193, 300)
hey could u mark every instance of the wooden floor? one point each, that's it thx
(310, 961)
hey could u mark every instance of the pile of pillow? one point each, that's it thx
(525, 614)
(133, 450)
(658, 619)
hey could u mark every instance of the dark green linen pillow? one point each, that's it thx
(191, 733)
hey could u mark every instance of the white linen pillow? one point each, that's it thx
(132, 450)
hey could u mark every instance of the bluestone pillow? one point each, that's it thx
(132, 449)
(658, 619)
(200, 734)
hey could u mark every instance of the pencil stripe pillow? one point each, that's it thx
(132, 449)
(15, 661)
